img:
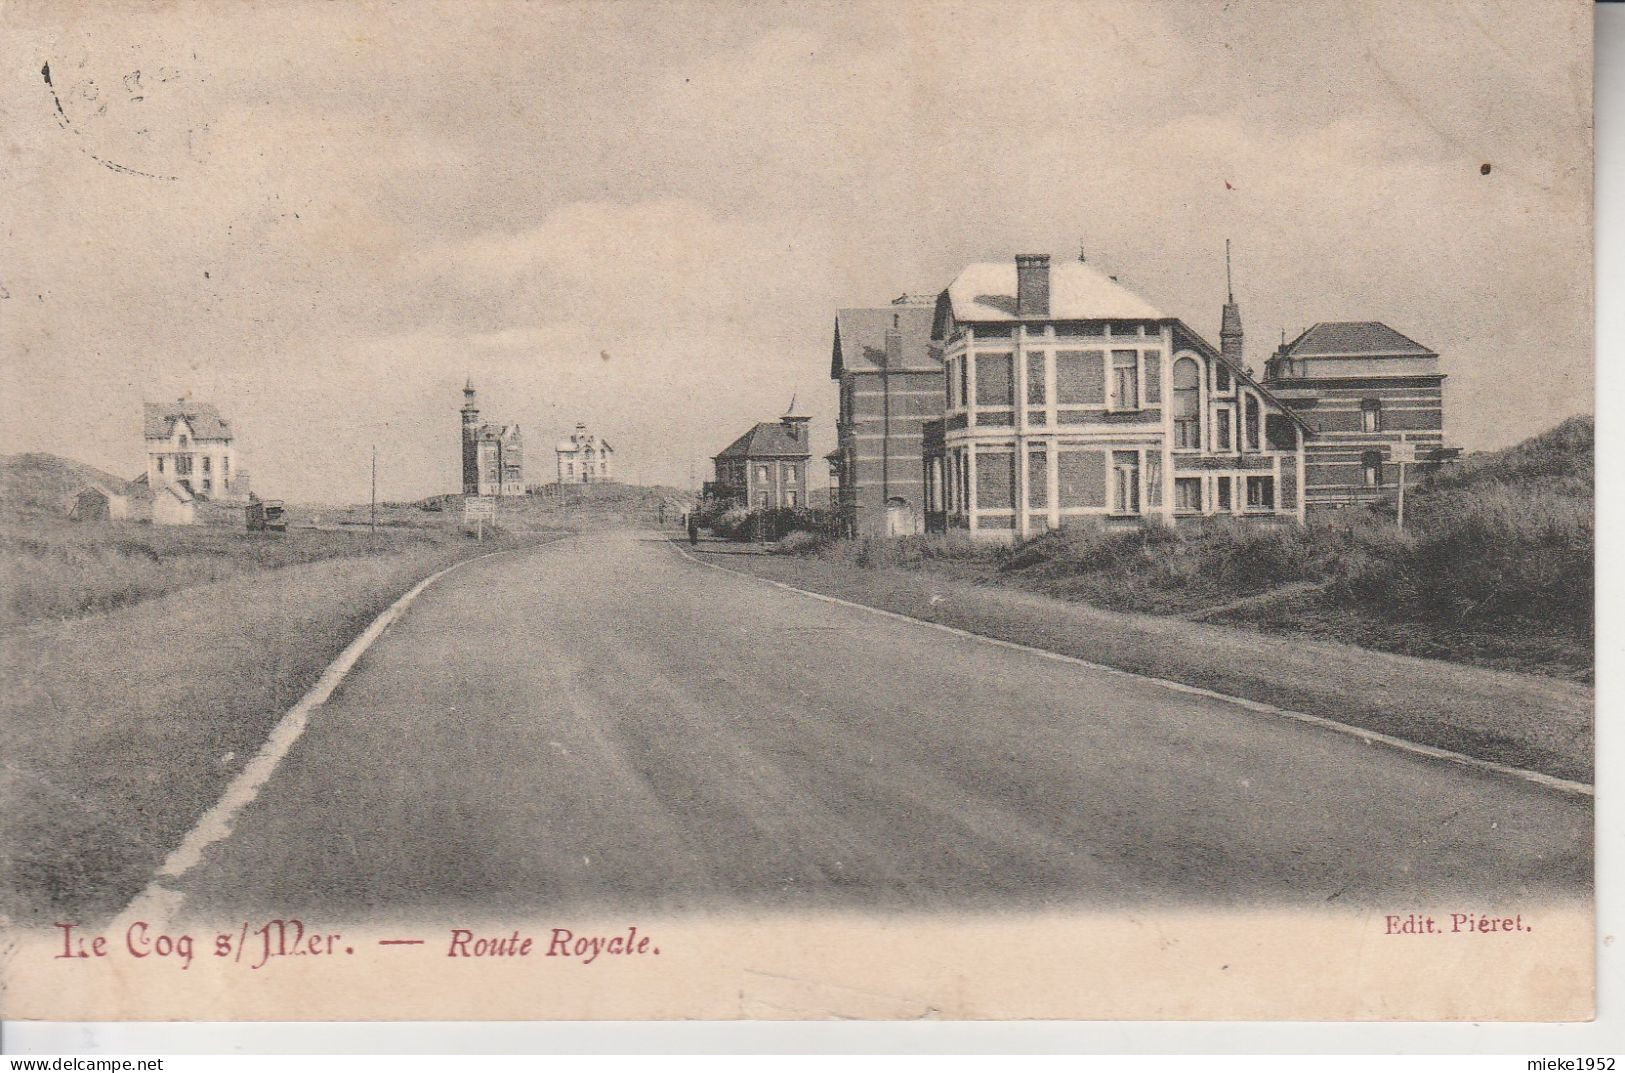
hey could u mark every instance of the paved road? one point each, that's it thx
(602, 724)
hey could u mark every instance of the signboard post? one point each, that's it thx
(1404, 454)
(479, 510)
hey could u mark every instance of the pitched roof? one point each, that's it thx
(1344, 337)
(860, 339)
(1077, 291)
(769, 439)
(206, 422)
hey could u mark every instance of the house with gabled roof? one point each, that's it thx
(1071, 400)
(191, 448)
(766, 468)
(1369, 394)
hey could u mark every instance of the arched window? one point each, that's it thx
(1187, 404)
(1370, 415)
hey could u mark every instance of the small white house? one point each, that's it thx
(100, 505)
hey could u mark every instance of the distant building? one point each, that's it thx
(766, 467)
(100, 505)
(1361, 387)
(1070, 400)
(890, 385)
(584, 458)
(190, 448)
(493, 455)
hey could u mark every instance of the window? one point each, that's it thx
(160, 464)
(1152, 363)
(1038, 479)
(208, 486)
(1260, 493)
(1079, 378)
(1224, 493)
(1188, 495)
(964, 381)
(1187, 404)
(185, 439)
(1035, 377)
(208, 464)
(993, 381)
(1252, 422)
(183, 465)
(1125, 379)
(225, 469)
(766, 501)
(1221, 377)
(570, 469)
(761, 473)
(951, 379)
(1153, 479)
(789, 499)
(1371, 468)
(995, 481)
(1080, 478)
(1222, 431)
(1371, 415)
(1125, 482)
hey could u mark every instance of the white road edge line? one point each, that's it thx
(1370, 737)
(161, 898)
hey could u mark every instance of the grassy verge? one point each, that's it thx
(1540, 723)
(119, 729)
(52, 569)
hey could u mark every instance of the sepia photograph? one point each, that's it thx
(701, 509)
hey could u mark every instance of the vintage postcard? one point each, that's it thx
(705, 509)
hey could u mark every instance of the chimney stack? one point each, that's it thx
(894, 343)
(1032, 284)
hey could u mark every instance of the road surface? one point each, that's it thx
(603, 724)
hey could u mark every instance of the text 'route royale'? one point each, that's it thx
(255, 947)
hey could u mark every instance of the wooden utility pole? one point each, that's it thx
(374, 508)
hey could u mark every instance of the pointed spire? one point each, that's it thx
(1231, 339)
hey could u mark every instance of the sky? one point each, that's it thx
(322, 217)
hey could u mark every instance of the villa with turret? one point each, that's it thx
(493, 455)
(1069, 399)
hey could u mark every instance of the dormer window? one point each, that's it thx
(185, 440)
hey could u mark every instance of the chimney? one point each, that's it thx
(1032, 284)
(894, 343)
